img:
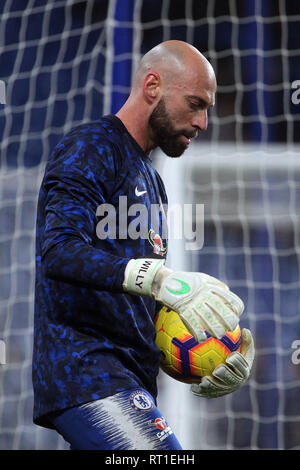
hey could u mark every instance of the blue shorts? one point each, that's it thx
(126, 421)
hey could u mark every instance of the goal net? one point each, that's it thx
(251, 229)
(68, 62)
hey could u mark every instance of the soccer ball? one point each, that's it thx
(182, 357)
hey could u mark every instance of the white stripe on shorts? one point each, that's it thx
(121, 425)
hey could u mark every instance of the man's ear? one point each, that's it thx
(151, 88)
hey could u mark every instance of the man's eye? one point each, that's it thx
(195, 106)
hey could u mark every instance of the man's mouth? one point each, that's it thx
(187, 137)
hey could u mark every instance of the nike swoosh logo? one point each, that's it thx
(185, 288)
(139, 193)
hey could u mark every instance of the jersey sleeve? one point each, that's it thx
(74, 185)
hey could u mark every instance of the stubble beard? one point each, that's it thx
(164, 134)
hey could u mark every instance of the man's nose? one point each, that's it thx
(200, 120)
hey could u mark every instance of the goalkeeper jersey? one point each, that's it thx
(92, 340)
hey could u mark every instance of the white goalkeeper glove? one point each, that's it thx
(226, 378)
(201, 301)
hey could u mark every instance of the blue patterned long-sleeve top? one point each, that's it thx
(91, 339)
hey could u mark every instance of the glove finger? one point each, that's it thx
(226, 317)
(199, 391)
(210, 388)
(192, 322)
(239, 364)
(208, 319)
(203, 385)
(234, 302)
(227, 376)
(247, 346)
(207, 388)
(213, 280)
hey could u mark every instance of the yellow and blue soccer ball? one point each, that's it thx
(182, 357)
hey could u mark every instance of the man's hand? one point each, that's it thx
(200, 300)
(226, 378)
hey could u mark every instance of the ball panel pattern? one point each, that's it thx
(182, 357)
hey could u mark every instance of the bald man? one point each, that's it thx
(100, 273)
(173, 88)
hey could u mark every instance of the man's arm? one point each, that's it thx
(74, 187)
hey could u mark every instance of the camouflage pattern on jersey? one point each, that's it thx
(91, 340)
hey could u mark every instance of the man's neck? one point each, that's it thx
(136, 124)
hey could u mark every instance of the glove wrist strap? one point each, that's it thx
(140, 274)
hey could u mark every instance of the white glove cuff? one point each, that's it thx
(139, 275)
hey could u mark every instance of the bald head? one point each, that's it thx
(173, 88)
(174, 61)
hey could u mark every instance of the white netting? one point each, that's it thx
(53, 59)
(251, 196)
(57, 60)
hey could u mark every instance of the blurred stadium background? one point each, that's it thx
(67, 62)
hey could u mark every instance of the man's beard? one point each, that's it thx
(164, 133)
